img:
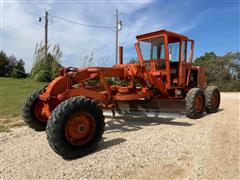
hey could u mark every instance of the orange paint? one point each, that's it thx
(151, 77)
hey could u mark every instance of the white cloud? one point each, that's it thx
(21, 30)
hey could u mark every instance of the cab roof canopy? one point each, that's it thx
(154, 36)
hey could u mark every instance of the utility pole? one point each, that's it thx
(46, 37)
(116, 36)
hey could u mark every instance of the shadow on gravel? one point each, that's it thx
(102, 145)
(207, 114)
(120, 124)
(106, 144)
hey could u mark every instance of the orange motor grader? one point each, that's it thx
(71, 107)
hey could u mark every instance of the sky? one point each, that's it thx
(214, 25)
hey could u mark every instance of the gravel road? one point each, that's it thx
(156, 148)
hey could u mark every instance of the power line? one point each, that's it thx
(82, 24)
(116, 28)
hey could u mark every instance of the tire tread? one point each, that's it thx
(27, 113)
(208, 94)
(55, 126)
(190, 103)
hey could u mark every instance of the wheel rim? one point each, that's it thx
(198, 104)
(38, 111)
(215, 100)
(80, 128)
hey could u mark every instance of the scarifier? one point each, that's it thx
(71, 107)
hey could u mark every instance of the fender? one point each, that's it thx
(56, 87)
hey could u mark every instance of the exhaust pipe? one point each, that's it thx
(120, 55)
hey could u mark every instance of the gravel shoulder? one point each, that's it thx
(136, 148)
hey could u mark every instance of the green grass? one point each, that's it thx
(13, 93)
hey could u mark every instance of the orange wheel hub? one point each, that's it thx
(80, 128)
(38, 111)
(198, 104)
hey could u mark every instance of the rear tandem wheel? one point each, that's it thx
(195, 103)
(212, 95)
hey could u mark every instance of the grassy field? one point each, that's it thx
(13, 93)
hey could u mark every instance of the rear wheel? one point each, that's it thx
(75, 127)
(212, 95)
(32, 111)
(195, 103)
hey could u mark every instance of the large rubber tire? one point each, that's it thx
(28, 111)
(213, 99)
(195, 110)
(58, 123)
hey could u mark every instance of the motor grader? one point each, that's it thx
(71, 107)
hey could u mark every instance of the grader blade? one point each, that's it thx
(149, 108)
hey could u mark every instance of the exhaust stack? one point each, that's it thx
(120, 55)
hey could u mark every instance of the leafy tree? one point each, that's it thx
(222, 71)
(18, 70)
(3, 63)
(10, 66)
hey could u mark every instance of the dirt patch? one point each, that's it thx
(10, 120)
(6, 124)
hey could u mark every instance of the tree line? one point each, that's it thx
(10, 66)
(221, 71)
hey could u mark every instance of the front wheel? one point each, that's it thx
(75, 127)
(195, 103)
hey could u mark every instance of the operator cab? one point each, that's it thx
(168, 55)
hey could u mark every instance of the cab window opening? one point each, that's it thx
(153, 49)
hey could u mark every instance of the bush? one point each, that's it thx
(45, 71)
(43, 76)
